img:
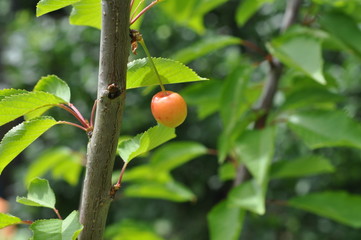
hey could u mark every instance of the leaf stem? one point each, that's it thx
(136, 8)
(57, 213)
(92, 115)
(152, 64)
(75, 112)
(73, 124)
(144, 10)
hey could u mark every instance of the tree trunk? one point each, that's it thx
(114, 52)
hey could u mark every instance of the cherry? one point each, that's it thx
(169, 108)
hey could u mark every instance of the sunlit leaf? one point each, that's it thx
(7, 220)
(140, 74)
(204, 47)
(40, 194)
(46, 6)
(326, 129)
(300, 167)
(339, 206)
(54, 85)
(17, 105)
(21, 136)
(56, 229)
(87, 13)
(145, 142)
(11, 91)
(225, 222)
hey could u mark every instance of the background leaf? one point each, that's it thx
(46, 6)
(290, 49)
(62, 162)
(326, 129)
(248, 195)
(344, 28)
(300, 167)
(40, 194)
(21, 136)
(247, 8)
(225, 222)
(140, 74)
(145, 142)
(339, 206)
(176, 154)
(172, 191)
(255, 149)
(203, 47)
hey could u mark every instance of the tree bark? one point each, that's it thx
(114, 52)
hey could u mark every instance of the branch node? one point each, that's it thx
(114, 91)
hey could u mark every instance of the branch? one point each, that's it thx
(271, 86)
(114, 52)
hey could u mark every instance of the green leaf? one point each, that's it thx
(145, 173)
(46, 6)
(17, 105)
(203, 47)
(8, 92)
(310, 97)
(247, 8)
(248, 195)
(337, 205)
(227, 171)
(206, 104)
(225, 222)
(40, 194)
(175, 154)
(127, 229)
(344, 28)
(145, 142)
(290, 49)
(62, 162)
(190, 13)
(54, 85)
(56, 229)
(300, 167)
(255, 149)
(21, 136)
(140, 74)
(7, 220)
(237, 100)
(87, 13)
(171, 191)
(326, 129)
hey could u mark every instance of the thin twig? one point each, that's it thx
(57, 213)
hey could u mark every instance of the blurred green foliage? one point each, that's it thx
(219, 109)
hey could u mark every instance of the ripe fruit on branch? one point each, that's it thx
(169, 108)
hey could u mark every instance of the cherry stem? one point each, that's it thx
(135, 10)
(73, 124)
(57, 213)
(144, 10)
(117, 185)
(152, 64)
